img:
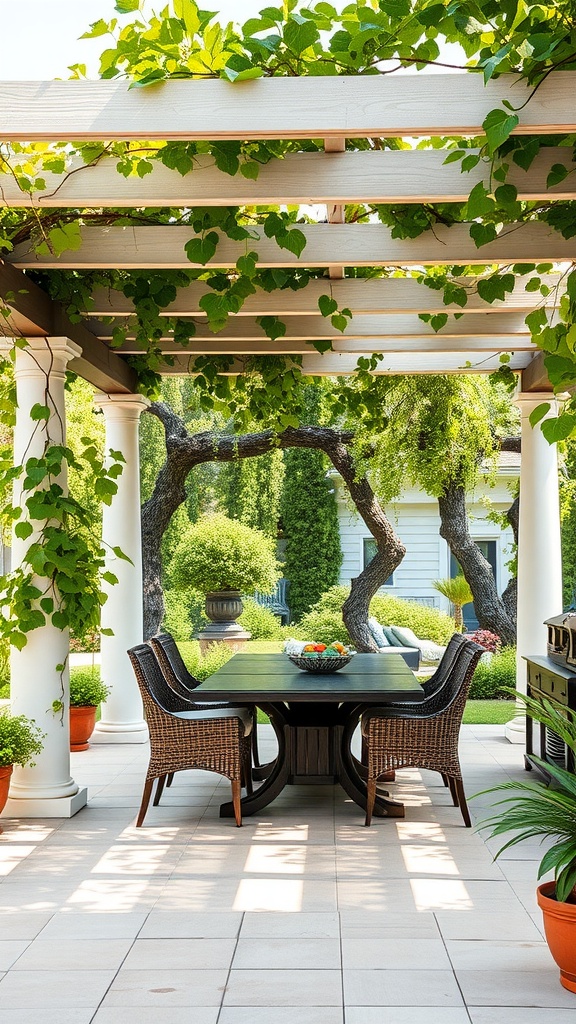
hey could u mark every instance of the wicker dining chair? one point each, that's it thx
(182, 682)
(423, 735)
(183, 738)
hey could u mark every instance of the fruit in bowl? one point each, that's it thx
(315, 657)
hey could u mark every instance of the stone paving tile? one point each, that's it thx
(164, 987)
(394, 954)
(10, 951)
(401, 988)
(180, 954)
(292, 988)
(520, 1015)
(154, 1015)
(287, 954)
(76, 954)
(51, 990)
(290, 926)
(282, 1015)
(514, 988)
(192, 925)
(408, 1015)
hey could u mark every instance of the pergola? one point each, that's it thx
(386, 311)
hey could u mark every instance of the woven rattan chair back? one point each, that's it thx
(177, 744)
(425, 735)
(439, 677)
(172, 664)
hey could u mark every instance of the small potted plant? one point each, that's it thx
(223, 559)
(20, 740)
(548, 812)
(86, 693)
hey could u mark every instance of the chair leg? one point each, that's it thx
(236, 800)
(247, 773)
(444, 778)
(159, 789)
(145, 801)
(370, 798)
(459, 785)
(453, 790)
(255, 754)
(169, 780)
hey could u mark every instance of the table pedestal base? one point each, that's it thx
(313, 749)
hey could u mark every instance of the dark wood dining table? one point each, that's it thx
(314, 716)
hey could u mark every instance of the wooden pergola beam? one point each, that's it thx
(385, 296)
(280, 108)
(511, 325)
(534, 377)
(360, 346)
(379, 176)
(345, 245)
(336, 363)
(34, 314)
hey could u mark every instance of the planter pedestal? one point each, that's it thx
(223, 607)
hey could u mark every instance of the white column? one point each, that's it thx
(539, 551)
(122, 718)
(47, 790)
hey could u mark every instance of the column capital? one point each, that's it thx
(527, 401)
(121, 407)
(41, 355)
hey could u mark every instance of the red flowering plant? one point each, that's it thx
(490, 641)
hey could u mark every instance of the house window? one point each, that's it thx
(489, 549)
(369, 550)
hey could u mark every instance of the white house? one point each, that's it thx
(416, 520)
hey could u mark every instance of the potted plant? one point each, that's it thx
(87, 691)
(549, 812)
(223, 559)
(20, 740)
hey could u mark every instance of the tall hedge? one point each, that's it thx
(309, 519)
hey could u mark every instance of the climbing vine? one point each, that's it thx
(376, 37)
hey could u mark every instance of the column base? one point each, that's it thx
(110, 733)
(46, 807)
(515, 730)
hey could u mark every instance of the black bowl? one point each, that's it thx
(320, 663)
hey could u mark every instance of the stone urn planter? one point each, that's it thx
(223, 607)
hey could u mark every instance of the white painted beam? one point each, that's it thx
(361, 346)
(380, 176)
(277, 108)
(385, 295)
(511, 325)
(345, 245)
(334, 364)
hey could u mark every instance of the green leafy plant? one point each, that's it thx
(203, 665)
(20, 740)
(496, 677)
(260, 621)
(539, 811)
(86, 688)
(218, 553)
(457, 590)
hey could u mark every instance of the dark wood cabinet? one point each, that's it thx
(556, 683)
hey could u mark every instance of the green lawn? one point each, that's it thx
(489, 712)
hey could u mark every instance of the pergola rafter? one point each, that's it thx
(343, 245)
(334, 177)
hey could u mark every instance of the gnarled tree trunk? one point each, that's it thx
(184, 451)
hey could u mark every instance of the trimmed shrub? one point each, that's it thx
(218, 553)
(427, 623)
(491, 641)
(324, 620)
(203, 665)
(183, 612)
(490, 676)
(86, 688)
(259, 621)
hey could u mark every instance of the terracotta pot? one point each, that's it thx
(560, 930)
(82, 722)
(5, 774)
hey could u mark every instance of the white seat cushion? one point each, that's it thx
(244, 714)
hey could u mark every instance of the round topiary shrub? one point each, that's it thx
(218, 553)
(260, 622)
(494, 675)
(86, 688)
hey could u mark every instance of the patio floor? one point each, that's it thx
(302, 915)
